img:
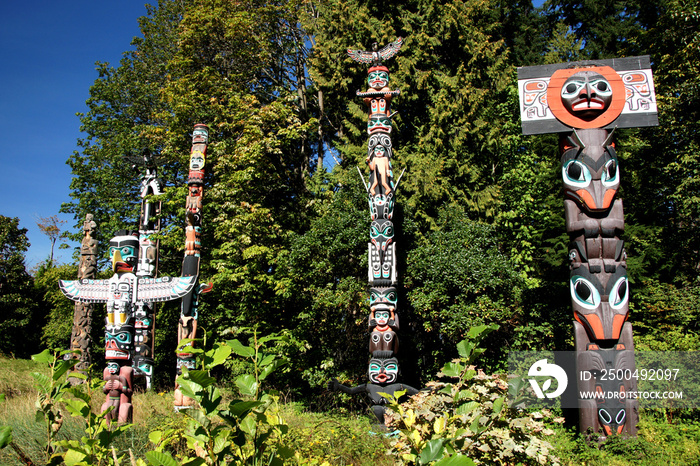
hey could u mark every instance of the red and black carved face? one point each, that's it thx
(383, 370)
(586, 94)
(119, 342)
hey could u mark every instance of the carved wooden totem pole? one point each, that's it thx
(132, 290)
(187, 326)
(383, 370)
(144, 312)
(82, 315)
(584, 102)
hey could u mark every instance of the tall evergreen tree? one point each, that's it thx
(19, 310)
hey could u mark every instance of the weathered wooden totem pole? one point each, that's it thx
(82, 315)
(584, 102)
(383, 370)
(187, 326)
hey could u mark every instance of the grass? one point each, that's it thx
(323, 438)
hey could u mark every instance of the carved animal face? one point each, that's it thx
(591, 175)
(119, 342)
(379, 123)
(381, 233)
(600, 301)
(128, 247)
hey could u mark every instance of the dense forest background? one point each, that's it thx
(481, 235)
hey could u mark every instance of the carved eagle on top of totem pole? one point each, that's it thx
(375, 57)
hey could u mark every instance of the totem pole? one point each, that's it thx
(82, 315)
(144, 312)
(383, 370)
(187, 326)
(584, 102)
(122, 292)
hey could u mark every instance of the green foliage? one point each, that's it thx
(248, 430)
(459, 279)
(19, 312)
(58, 325)
(468, 421)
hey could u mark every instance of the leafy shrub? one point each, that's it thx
(468, 421)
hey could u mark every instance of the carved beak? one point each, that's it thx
(118, 264)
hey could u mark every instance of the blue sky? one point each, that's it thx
(48, 51)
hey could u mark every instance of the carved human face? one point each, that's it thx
(383, 371)
(586, 94)
(196, 160)
(379, 123)
(382, 318)
(113, 367)
(378, 79)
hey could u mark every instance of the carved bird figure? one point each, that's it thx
(375, 57)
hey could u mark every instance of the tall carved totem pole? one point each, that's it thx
(584, 102)
(187, 326)
(133, 289)
(383, 370)
(82, 315)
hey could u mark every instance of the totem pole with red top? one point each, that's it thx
(584, 102)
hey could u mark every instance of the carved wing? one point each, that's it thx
(391, 49)
(361, 56)
(164, 288)
(85, 290)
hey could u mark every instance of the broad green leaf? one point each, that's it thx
(455, 460)
(466, 408)
(240, 349)
(242, 408)
(269, 369)
(62, 367)
(432, 451)
(249, 425)
(155, 436)
(5, 436)
(247, 385)
(267, 359)
(216, 356)
(498, 405)
(77, 407)
(210, 401)
(43, 381)
(465, 349)
(159, 458)
(74, 457)
(222, 441)
(194, 462)
(452, 369)
(188, 388)
(198, 416)
(45, 357)
(201, 378)
(481, 331)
